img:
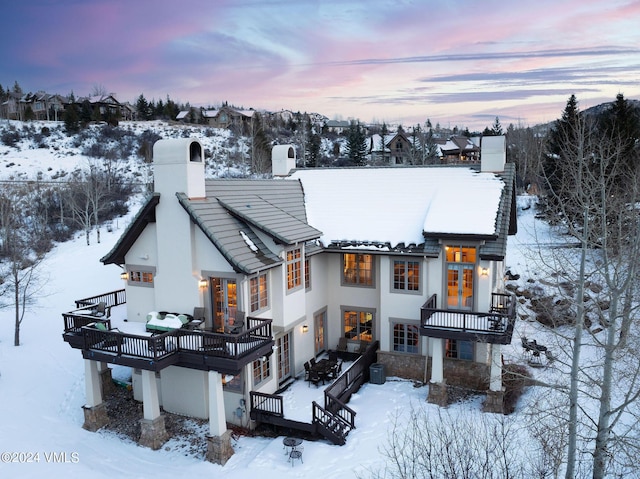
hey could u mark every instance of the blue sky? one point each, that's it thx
(457, 62)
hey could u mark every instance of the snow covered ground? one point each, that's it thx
(42, 393)
(42, 381)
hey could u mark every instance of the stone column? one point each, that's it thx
(495, 396)
(152, 429)
(219, 448)
(106, 380)
(437, 385)
(95, 411)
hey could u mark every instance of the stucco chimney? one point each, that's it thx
(283, 159)
(493, 153)
(178, 167)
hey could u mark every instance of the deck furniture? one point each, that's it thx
(290, 444)
(296, 453)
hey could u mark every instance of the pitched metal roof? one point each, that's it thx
(280, 225)
(233, 238)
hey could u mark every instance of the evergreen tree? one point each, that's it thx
(622, 123)
(71, 119)
(17, 89)
(142, 107)
(565, 131)
(312, 147)
(356, 144)
(417, 147)
(383, 142)
(497, 127)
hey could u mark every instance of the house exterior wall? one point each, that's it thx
(185, 391)
(143, 254)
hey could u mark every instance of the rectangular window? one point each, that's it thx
(294, 268)
(261, 370)
(459, 349)
(357, 269)
(358, 325)
(406, 275)
(140, 277)
(406, 338)
(259, 292)
(307, 274)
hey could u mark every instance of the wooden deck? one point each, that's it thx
(333, 420)
(195, 349)
(495, 326)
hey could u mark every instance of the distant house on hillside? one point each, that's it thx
(337, 126)
(459, 149)
(253, 280)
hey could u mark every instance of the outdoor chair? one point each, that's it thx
(307, 369)
(314, 377)
(100, 310)
(342, 345)
(335, 371)
(333, 355)
(312, 361)
(296, 453)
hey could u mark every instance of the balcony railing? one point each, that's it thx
(224, 352)
(495, 326)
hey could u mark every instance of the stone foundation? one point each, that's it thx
(219, 448)
(106, 383)
(457, 372)
(494, 402)
(152, 433)
(438, 394)
(95, 417)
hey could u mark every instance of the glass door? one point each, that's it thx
(225, 302)
(319, 322)
(460, 273)
(283, 347)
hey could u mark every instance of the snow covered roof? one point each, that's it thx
(400, 205)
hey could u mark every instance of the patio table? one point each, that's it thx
(291, 443)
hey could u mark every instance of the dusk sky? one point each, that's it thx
(456, 62)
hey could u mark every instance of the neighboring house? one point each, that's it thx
(410, 258)
(460, 149)
(399, 149)
(226, 117)
(107, 106)
(337, 126)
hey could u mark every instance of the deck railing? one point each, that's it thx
(114, 298)
(496, 325)
(269, 403)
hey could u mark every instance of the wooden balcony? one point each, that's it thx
(495, 326)
(194, 349)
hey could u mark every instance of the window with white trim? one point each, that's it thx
(357, 269)
(261, 370)
(140, 276)
(458, 349)
(406, 338)
(406, 275)
(259, 292)
(294, 268)
(357, 324)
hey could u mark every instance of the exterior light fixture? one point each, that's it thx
(203, 283)
(484, 271)
(124, 276)
(305, 328)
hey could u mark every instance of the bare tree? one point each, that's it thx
(594, 201)
(423, 443)
(19, 262)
